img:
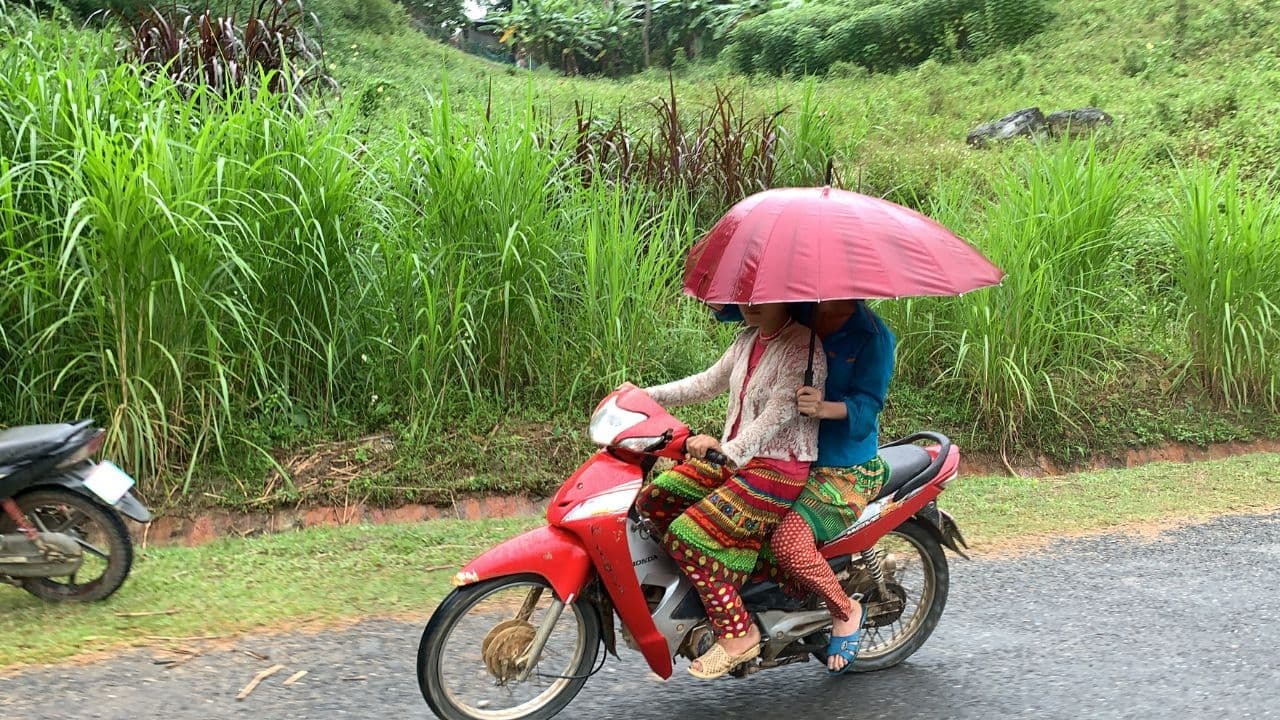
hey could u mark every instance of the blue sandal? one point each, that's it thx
(846, 646)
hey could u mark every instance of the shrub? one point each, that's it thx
(810, 38)
(222, 54)
(1224, 235)
(712, 160)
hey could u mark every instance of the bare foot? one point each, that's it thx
(735, 646)
(845, 628)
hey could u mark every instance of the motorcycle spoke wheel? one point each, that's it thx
(485, 643)
(917, 580)
(108, 551)
(73, 520)
(93, 550)
(911, 582)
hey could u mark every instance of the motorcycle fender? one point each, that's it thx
(548, 552)
(127, 505)
(132, 509)
(944, 528)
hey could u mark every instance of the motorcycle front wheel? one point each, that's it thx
(100, 533)
(473, 660)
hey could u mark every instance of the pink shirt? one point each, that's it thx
(792, 468)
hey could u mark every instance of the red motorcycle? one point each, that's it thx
(521, 632)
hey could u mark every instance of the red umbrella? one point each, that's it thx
(814, 244)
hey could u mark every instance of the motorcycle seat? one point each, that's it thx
(905, 462)
(29, 441)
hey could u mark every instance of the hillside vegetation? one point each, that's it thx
(454, 253)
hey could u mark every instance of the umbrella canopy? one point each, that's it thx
(814, 244)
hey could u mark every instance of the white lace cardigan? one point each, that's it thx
(771, 425)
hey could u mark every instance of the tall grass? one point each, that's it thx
(543, 285)
(1226, 236)
(192, 270)
(215, 275)
(1057, 222)
(180, 261)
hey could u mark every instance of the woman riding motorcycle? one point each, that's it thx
(859, 350)
(714, 520)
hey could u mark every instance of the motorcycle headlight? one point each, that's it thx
(639, 444)
(611, 420)
(614, 502)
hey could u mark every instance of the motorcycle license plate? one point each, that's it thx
(108, 482)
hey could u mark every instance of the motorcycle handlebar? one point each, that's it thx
(716, 457)
(713, 456)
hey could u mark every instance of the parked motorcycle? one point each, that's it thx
(62, 537)
(521, 632)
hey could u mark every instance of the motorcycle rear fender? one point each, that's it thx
(548, 552)
(127, 505)
(943, 527)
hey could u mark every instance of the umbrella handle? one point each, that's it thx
(813, 343)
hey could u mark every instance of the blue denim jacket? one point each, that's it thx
(859, 367)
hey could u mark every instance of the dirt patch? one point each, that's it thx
(200, 528)
(322, 468)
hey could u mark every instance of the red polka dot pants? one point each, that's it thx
(718, 588)
(715, 584)
(713, 523)
(796, 552)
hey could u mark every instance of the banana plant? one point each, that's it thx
(573, 35)
(721, 18)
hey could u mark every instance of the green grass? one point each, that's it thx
(992, 510)
(1057, 224)
(1226, 236)
(222, 282)
(1199, 91)
(213, 278)
(322, 576)
(230, 586)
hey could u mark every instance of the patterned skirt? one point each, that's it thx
(835, 496)
(829, 503)
(717, 518)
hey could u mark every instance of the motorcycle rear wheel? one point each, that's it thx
(468, 652)
(100, 532)
(885, 647)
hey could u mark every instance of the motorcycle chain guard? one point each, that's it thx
(48, 555)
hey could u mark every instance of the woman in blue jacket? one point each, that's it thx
(848, 471)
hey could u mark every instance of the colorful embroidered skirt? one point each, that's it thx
(714, 524)
(723, 516)
(835, 496)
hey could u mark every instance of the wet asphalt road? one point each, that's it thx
(1187, 626)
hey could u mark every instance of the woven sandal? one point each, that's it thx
(717, 662)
